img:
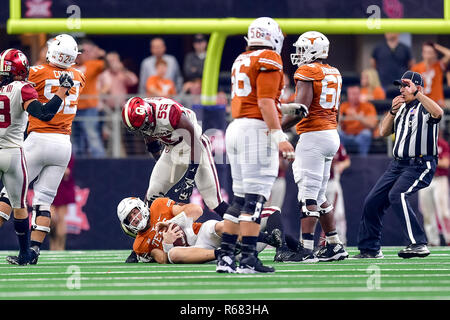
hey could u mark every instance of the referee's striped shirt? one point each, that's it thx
(416, 132)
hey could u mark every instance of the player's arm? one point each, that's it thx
(47, 111)
(154, 147)
(160, 256)
(191, 210)
(186, 124)
(304, 97)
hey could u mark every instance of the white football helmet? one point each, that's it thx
(310, 46)
(62, 51)
(265, 32)
(137, 222)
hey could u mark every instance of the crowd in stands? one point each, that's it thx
(364, 99)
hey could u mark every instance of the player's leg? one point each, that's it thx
(58, 227)
(259, 171)
(5, 207)
(207, 180)
(46, 186)
(15, 180)
(164, 175)
(226, 261)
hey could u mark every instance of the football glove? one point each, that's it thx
(294, 109)
(182, 190)
(66, 81)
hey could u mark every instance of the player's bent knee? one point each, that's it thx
(233, 211)
(326, 210)
(40, 211)
(253, 207)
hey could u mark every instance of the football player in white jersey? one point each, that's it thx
(18, 98)
(183, 153)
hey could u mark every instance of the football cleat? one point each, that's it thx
(132, 258)
(303, 255)
(34, 254)
(20, 260)
(226, 264)
(283, 254)
(414, 250)
(275, 239)
(369, 255)
(332, 252)
(251, 264)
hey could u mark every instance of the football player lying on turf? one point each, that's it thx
(168, 233)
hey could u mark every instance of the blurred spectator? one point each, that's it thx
(391, 59)
(113, 85)
(358, 121)
(288, 93)
(85, 128)
(341, 161)
(432, 70)
(192, 91)
(64, 197)
(159, 85)
(42, 56)
(370, 86)
(433, 200)
(193, 62)
(148, 65)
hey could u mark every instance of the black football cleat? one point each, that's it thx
(251, 264)
(132, 258)
(414, 250)
(20, 260)
(332, 252)
(226, 264)
(275, 238)
(283, 254)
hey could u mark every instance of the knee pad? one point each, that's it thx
(40, 211)
(233, 211)
(253, 204)
(324, 211)
(305, 213)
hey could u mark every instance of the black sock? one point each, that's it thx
(228, 243)
(22, 228)
(291, 242)
(34, 243)
(249, 246)
(221, 208)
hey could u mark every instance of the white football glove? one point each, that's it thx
(294, 109)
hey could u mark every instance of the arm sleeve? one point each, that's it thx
(44, 112)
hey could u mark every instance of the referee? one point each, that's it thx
(414, 119)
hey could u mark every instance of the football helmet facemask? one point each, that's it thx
(138, 116)
(310, 46)
(133, 214)
(62, 51)
(13, 66)
(265, 32)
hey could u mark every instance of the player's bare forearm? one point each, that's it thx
(195, 143)
(269, 113)
(159, 256)
(304, 96)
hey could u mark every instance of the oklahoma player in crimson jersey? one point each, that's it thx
(318, 88)
(16, 97)
(51, 137)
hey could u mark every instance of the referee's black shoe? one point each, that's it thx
(414, 250)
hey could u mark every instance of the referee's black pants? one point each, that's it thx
(402, 179)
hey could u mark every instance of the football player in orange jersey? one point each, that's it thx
(318, 88)
(155, 235)
(253, 141)
(48, 147)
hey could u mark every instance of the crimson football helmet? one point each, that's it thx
(138, 116)
(14, 66)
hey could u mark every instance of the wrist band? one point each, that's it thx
(390, 111)
(167, 247)
(417, 90)
(278, 136)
